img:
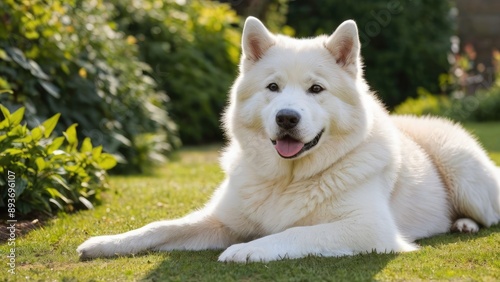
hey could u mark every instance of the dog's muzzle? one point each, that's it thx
(287, 145)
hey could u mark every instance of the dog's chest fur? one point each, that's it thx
(272, 207)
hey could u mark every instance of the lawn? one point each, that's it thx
(489, 135)
(185, 184)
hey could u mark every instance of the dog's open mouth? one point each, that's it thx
(288, 147)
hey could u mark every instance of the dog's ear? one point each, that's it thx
(256, 39)
(344, 44)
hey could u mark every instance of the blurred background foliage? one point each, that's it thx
(109, 65)
(404, 43)
(193, 50)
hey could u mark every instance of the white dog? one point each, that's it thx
(316, 166)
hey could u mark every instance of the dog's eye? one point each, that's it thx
(315, 89)
(273, 87)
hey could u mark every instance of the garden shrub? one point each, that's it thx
(483, 106)
(68, 57)
(404, 43)
(193, 49)
(51, 174)
(425, 104)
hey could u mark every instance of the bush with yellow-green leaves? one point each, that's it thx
(43, 173)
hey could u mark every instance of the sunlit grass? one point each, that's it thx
(489, 135)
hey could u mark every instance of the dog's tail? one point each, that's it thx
(472, 179)
(471, 176)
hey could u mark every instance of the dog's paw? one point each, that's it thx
(251, 252)
(465, 225)
(100, 246)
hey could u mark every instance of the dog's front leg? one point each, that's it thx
(329, 240)
(363, 222)
(197, 231)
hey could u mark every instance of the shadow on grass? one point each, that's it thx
(203, 266)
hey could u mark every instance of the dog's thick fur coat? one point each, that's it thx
(316, 166)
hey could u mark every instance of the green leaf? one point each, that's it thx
(86, 203)
(18, 56)
(12, 151)
(70, 135)
(71, 168)
(50, 124)
(37, 71)
(4, 56)
(36, 133)
(54, 193)
(25, 139)
(5, 86)
(21, 186)
(17, 116)
(60, 180)
(96, 152)
(56, 143)
(55, 202)
(107, 161)
(18, 131)
(4, 123)
(86, 145)
(122, 139)
(5, 112)
(50, 88)
(40, 163)
(65, 68)
(32, 34)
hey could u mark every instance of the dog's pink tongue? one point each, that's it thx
(288, 147)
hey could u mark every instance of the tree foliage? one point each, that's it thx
(404, 43)
(193, 49)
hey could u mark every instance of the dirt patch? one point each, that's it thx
(22, 227)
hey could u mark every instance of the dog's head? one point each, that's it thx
(296, 94)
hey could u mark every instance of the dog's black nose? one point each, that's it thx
(287, 119)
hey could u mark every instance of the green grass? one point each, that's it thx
(184, 185)
(489, 135)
